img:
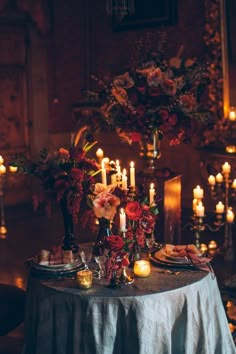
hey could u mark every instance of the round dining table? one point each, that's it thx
(168, 312)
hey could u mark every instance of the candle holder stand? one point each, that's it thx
(225, 191)
(197, 225)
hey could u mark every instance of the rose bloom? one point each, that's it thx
(133, 210)
(147, 222)
(114, 243)
(135, 137)
(169, 87)
(77, 153)
(105, 205)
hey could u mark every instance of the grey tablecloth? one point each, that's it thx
(162, 314)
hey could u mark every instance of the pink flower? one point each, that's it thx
(105, 205)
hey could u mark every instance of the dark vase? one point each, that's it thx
(104, 231)
(68, 241)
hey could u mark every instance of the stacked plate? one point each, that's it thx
(58, 270)
(161, 257)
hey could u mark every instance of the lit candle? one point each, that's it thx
(198, 193)
(200, 209)
(220, 208)
(151, 194)
(203, 247)
(122, 220)
(219, 178)
(124, 180)
(226, 168)
(234, 183)
(118, 168)
(2, 169)
(100, 155)
(195, 201)
(13, 169)
(132, 174)
(104, 173)
(211, 180)
(85, 279)
(142, 268)
(212, 245)
(230, 216)
(1, 160)
(232, 114)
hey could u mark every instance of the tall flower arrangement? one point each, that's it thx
(157, 94)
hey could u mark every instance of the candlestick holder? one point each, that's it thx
(223, 188)
(198, 225)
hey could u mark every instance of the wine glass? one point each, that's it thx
(86, 257)
(150, 242)
(100, 260)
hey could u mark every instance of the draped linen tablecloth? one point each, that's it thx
(161, 314)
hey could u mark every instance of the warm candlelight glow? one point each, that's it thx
(2, 169)
(85, 279)
(220, 208)
(99, 153)
(104, 173)
(203, 247)
(234, 184)
(219, 178)
(13, 169)
(142, 268)
(195, 201)
(212, 245)
(230, 216)
(132, 174)
(211, 180)
(200, 209)
(198, 193)
(124, 179)
(232, 114)
(151, 194)
(122, 220)
(226, 168)
(1, 160)
(118, 168)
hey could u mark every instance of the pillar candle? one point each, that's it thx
(230, 216)
(2, 169)
(194, 204)
(122, 220)
(220, 208)
(198, 193)
(211, 180)
(104, 173)
(100, 155)
(226, 168)
(151, 194)
(132, 174)
(234, 184)
(118, 168)
(232, 114)
(200, 209)
(1, 160)
(13, 169)
(219, 178)
(124, 180)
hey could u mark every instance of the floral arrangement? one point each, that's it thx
(65, 175)
(158, 94)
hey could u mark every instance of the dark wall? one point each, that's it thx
(83, 42)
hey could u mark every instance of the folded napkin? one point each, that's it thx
(191, 252)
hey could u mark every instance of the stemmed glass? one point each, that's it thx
(100, 260)
(86, 257)
(150, 241)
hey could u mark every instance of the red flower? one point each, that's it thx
(76, 173)
(140, 237)
(135, 137)
(133, 210)
(77, 153)
(114, 243)
(147, 222)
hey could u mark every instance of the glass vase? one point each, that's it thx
(104, 231)
(150, 150)
(68, 241)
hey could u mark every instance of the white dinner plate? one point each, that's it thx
(163, 257)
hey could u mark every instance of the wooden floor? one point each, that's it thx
(28, 232)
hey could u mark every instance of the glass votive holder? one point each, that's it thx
(203, 248)
(85, 279)
(142, 268)
(212, 245)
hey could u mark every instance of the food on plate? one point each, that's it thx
(55, 256)
(181, 250)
